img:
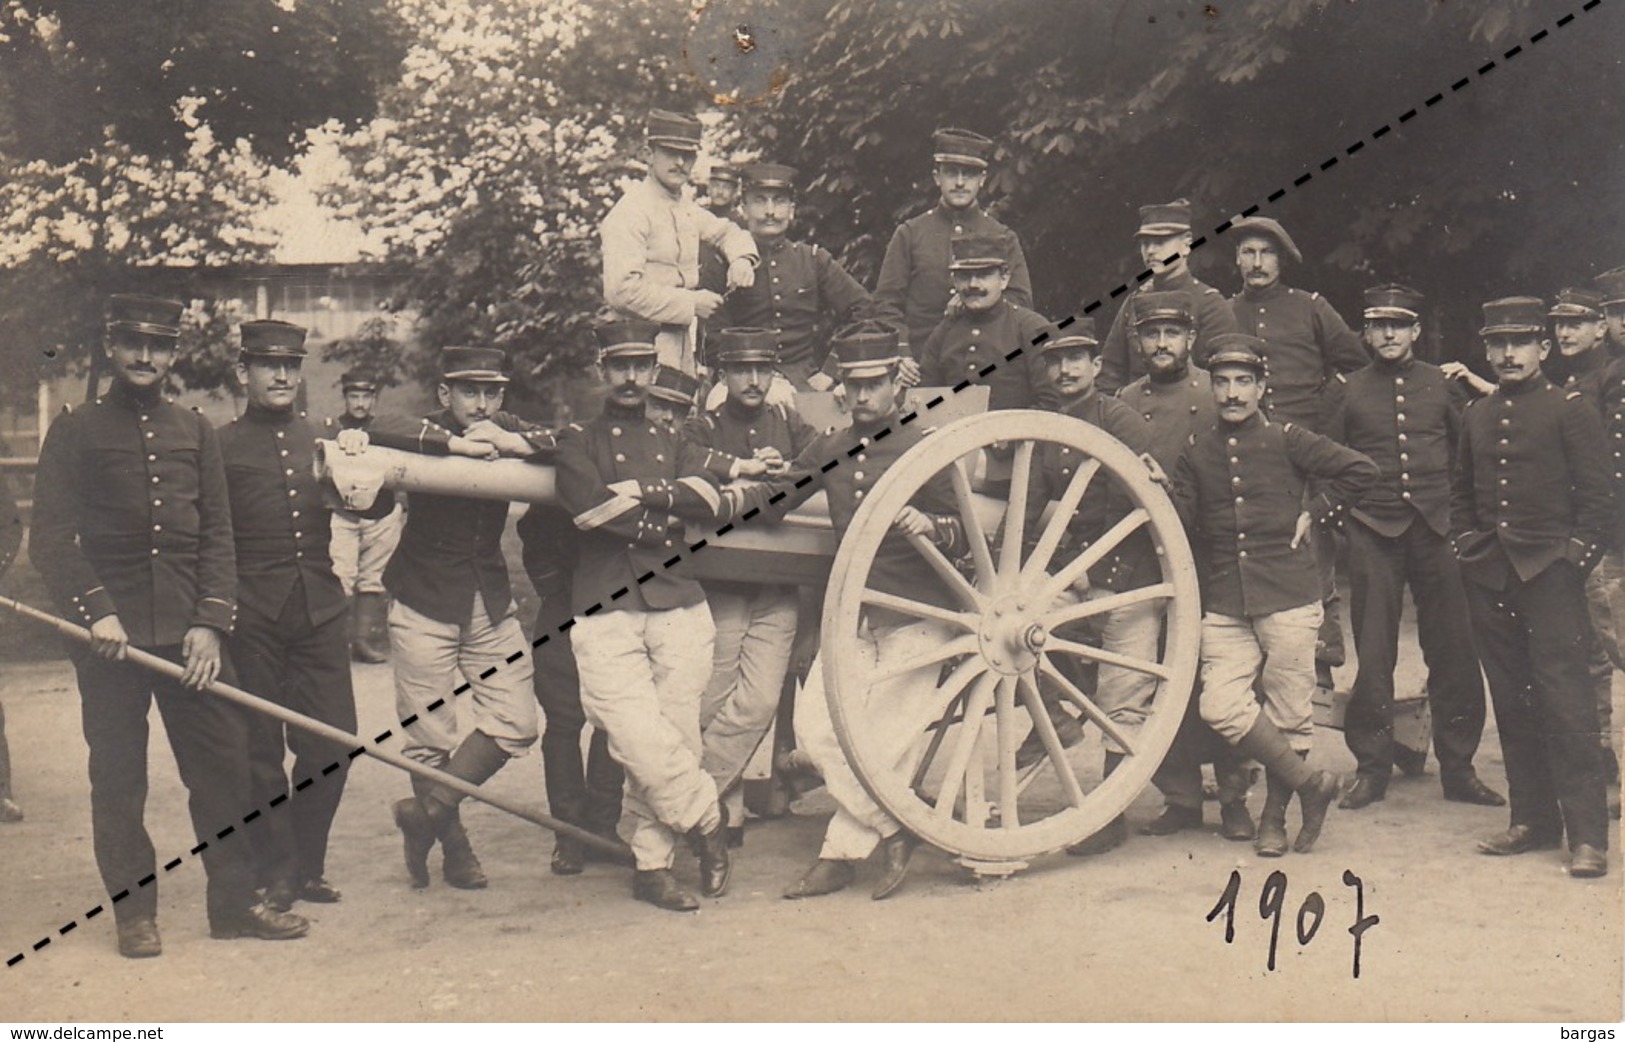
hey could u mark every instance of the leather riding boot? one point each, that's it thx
(711, 847)
(474, 761)
(1271, 841)
(417, 831)
(370, 642)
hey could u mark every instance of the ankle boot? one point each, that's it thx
(1271, 841)
(1314, 800)
(1284, 773)
(460, 868)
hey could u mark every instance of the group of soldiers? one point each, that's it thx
(1277, 431)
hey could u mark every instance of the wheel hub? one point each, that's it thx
(1011, 636)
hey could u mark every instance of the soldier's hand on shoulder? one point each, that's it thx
(908, 373)
(200, 649)
(108, 638)
(352, 441)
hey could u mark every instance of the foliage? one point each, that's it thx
(374, 348)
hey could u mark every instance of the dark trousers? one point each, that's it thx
(1532, 639)
(307, 669)
(210, 740)
(1329, 648)
(1380, 569)
(1179, 776)
(585, 793)
(5, 758)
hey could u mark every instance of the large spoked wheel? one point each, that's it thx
(969, 739)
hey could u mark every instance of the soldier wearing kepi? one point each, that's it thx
(362, 545)
(1530, 510)
(1306, 344)
(1176, 398)
(1072, 361)
(132, 532)
(643, 635)
(453, 614)
(651, 243)
(1240, 489)
(290, 644)
(867, 355)
(1406, 415)
(756, 622)
(986, 328)
(914, 291)
(671, 398)
(1165, 241)
(801, 291)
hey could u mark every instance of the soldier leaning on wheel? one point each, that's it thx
(1242, 488)
(453, 614)
(1071, 361)
(132, 533)
(1531, 508)
(868, 360)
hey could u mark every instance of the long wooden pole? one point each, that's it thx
(356, 744)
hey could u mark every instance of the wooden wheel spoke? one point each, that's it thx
(1015, 510)
(1078, 567)
(1004, 706)
(948, 697)
(1109, 603)
(946, 571)
(1087, 704)
(980, 550)
(1065, 507)
(919, 609)
(1052, 741)
(942, 653)
(1110, 658)
(953, 780)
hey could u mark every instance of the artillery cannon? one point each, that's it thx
(1021, 629)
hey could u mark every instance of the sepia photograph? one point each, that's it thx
(811, 511)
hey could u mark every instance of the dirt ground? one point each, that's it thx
(1461, 937)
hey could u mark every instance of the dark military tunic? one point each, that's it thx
(131, 518)
(914, 287)
(1133, 562)
(1240, 488)
(959, 348)
(1121, 361)
(733, 432)
(1173, 409)
(1613, 416)
(801, 292)
(623, 538)
(1306, 343)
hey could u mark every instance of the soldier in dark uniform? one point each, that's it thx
(867, 354)
(671, 398)
(985, 328)
(643, 649)
(914, 292)
(756, 622)
(132, 532)
(290, 644)
(1165, 242)
(11, 539)
(1406, 415)
(453, 614)
(1306, 344)
(1176, 398)
(801, 291)
(362, 545)
(1611, 287)
(1531, 508)
(1072, 361)
(1240, 488)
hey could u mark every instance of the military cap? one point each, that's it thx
(1514, 315)
(673, 130)
(1612, 285)
(1080, 332)
(1392, 300)
(1162, 306)
(1237, 349)
(770, 175)
(135, 313)
(721, 171)
(968, 251)
(1577, 302)
(473, 364)
(741, 344)
(1271, 228)
(269, 338)
(1160, 220)
(626, 337)
(961, 147)
(865, 349)
(675, 386)
(358, 380)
